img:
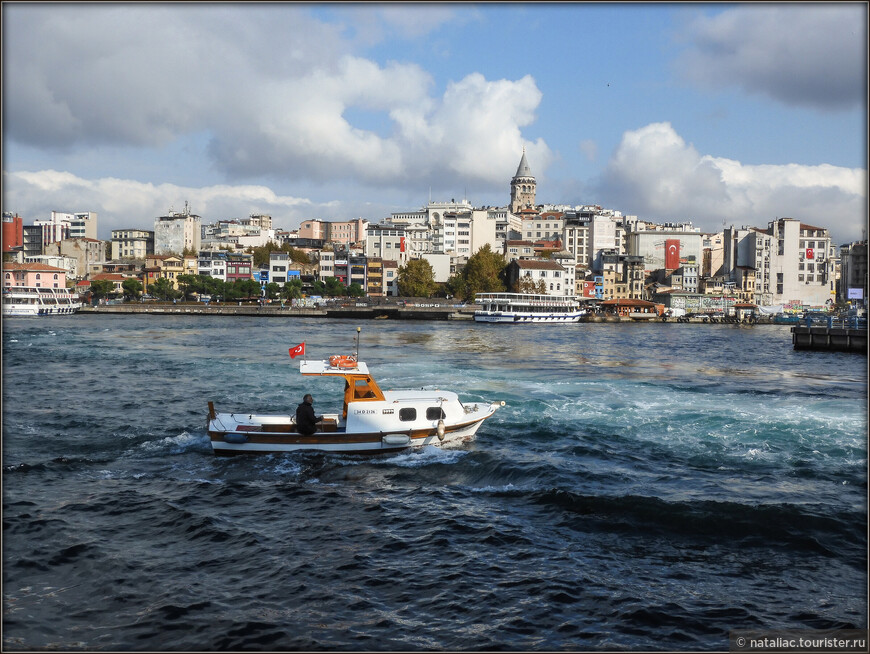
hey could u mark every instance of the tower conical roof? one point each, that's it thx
(523, 170)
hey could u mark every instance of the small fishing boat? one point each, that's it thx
(372, 421)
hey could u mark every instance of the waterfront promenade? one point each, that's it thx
(407, 311)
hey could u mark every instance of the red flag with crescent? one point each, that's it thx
(297, 351)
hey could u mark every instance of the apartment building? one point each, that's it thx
(556, 279)
(13, 231)
(853, 273)
(793, 263)
(84, 251)
(177, 231)
(132, 244)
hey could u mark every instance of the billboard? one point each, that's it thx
(856, 294)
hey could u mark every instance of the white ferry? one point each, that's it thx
(522, 307)
(39, 301)
(372, 421)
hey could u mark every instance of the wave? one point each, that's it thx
(815, 529)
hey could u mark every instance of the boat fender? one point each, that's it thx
(396, 439)
(235, 437)
(440, 430)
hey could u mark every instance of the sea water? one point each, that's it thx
(644, 487)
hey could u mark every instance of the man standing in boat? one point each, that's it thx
(306, 421)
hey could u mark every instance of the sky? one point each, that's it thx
(714, 114)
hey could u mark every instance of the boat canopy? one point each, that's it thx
(325, 368)
(359, 386)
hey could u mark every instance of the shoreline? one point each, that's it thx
(377, 312)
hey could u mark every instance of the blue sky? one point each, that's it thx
(710, 113)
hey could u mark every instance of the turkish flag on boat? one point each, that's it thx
(297, 351)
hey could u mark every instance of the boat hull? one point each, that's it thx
(526, 317)
(277, 435)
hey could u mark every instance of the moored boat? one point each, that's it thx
(39, 301)
(526, 307)
(372, 421)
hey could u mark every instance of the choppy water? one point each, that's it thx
(646, 487)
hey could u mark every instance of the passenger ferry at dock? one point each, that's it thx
(526, 307)
(39, 301)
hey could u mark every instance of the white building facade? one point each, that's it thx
(177, 232)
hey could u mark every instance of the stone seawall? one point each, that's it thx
(357, 313)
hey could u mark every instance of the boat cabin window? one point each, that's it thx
(362, 390)
(435, 413)
(407, 414)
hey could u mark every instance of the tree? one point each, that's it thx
(162, 289)
(416, 279)
(355, 290)
(102, 288)
(292, 289)
(132, 288)
(273, 290)
(334, 287)
(526, 284)
(261, 253)
(190, 284)
(484, 273)
(242, 289)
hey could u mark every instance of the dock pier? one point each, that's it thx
(831, 334)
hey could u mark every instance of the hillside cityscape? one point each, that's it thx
(446, 248)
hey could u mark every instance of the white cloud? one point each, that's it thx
(655, 174)
(128, 204)
(278, 91)
(811, 55)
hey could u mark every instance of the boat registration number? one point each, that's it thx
(364, 411)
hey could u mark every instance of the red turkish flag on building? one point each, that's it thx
(810, 253)
(297, 351)
(672, 253)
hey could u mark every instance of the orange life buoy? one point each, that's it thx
(342, 361)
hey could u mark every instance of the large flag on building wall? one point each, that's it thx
(672, 253)
(297, 351)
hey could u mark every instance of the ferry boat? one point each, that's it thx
(372, 421)
(523, 307)
(39, 301)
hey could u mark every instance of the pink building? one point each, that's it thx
(39, 275)
(313, 229)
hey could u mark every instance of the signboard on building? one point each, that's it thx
(856, 294)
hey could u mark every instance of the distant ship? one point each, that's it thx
(39, 301)
(523, 307)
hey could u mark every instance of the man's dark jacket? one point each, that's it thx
(306, 421)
